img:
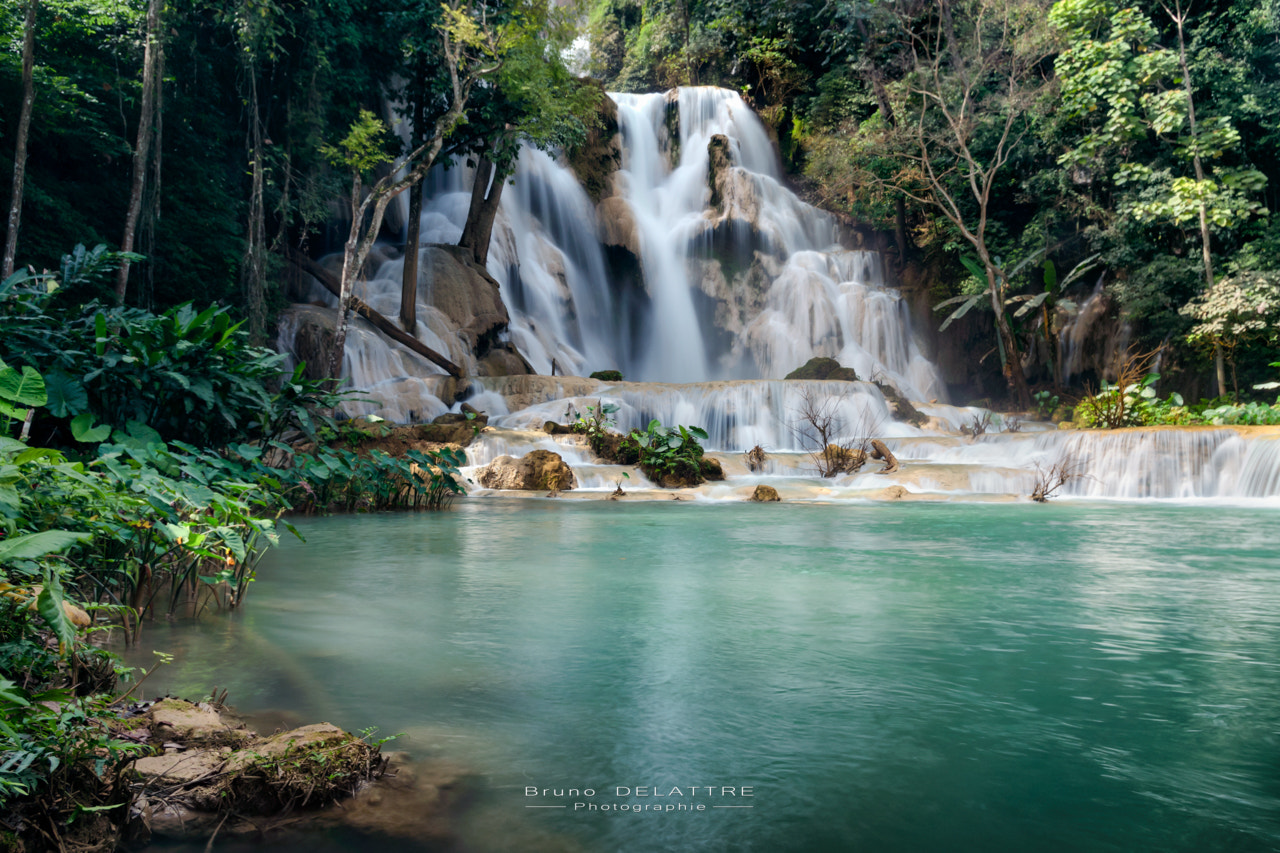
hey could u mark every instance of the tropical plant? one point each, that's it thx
(670, 451)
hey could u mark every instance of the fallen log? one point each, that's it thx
(380, 322)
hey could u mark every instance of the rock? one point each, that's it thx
(600, 154)
(553, 428)
(521, 392)
(721, 161)
(465, 293)
(535, 471)
(175, 719)
(893, 493)
(180, 768)
(901, 406)
(461, 433)
(479, 419)
(617, 225)
(765, 494)
(607, 375)
(712, 469)
(823, 368)
(504, 359)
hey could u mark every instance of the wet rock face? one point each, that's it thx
(540, 470)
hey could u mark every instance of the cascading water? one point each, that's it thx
(734, 295)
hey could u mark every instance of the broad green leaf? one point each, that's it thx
(67, 396)
(83, 432)
(30, 546)
(49, 605)
(26, 388)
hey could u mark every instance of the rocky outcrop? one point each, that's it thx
(212, 768)
(618, 227)
(465, 293)
(765, 494)
(600, 154)
(521, 392)
(540, 470)
(823, 368)
(900, 406)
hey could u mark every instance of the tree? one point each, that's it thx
(1124, 86)
(24, 128)
(962, 109)
(532, 99)
(142, 149)
(472, 49)
(1234, 310)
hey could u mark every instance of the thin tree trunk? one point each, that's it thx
(147, 239)
(142, 149)
(1179, 17)
(253, 267)
(486, 195)
(24, 128)
(409, 281)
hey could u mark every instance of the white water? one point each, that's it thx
(816, 298)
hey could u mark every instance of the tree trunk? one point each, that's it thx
(381, 323)
(253, 271)
(1012, 357)
(409, 281)
(142, 149)
(20, 151)
(486, 195)
(1206, 254)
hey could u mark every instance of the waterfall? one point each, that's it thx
(732, 296)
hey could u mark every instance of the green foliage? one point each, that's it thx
(596, 422)
(1244, 413)
(1046, 403)
(670, 450)
(363, 149)
(191, 375)
(1136, 404)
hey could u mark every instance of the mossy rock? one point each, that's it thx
(823, 368)
(607, 375)
(615, 448)
(765, 494)
(901, 406)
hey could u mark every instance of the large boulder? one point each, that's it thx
(465, 293)
(538, 470)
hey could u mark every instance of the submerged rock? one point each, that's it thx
(538, 470)
(765, 494)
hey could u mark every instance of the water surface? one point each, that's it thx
(884, 677)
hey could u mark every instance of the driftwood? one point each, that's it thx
(379, 321)
(880, 451)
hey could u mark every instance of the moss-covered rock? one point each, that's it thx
(823, 368)
(607, 375)
(765, 494)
